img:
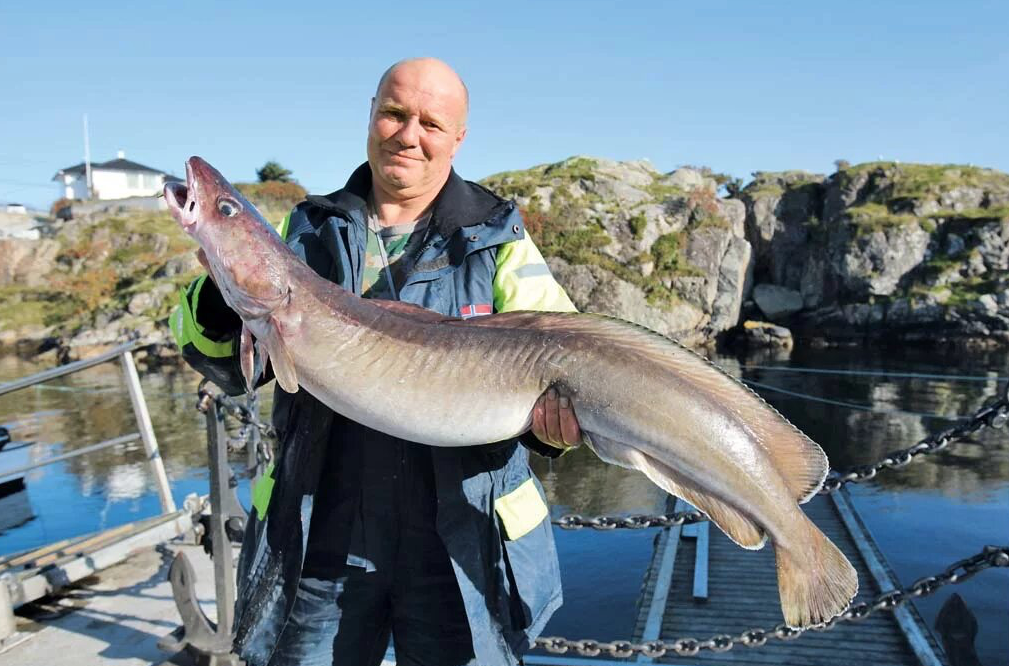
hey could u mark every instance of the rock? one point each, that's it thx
(777, 303)
(179, 265)
(140, 303)
(874, 263)
(27, 262)
(689, 179)
(733, 279)
(593, 289)
(764, 334)
(988, 304)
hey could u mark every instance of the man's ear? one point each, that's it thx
(459, 137)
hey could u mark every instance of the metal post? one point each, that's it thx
(7, 626)
(147, 432)
(224, 586)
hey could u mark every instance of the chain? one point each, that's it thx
(993, 414)
(990, 556)
(241, 413)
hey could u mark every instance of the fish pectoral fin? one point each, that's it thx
(283, 364)
(247, 356)
(730, 520)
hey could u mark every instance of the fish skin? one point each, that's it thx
(642, 400)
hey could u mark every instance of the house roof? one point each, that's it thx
(119, 164)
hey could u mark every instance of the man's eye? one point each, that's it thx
(227, 207)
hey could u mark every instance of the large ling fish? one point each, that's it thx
(642, 401)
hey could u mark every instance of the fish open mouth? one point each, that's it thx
(181, 201)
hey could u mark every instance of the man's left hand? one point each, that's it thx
(554, 421)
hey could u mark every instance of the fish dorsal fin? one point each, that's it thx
(730, 520)
(800, 461)
(410, 310)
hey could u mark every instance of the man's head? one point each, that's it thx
(418, 122)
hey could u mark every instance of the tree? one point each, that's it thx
(273, 171)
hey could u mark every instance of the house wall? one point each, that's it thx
(73, 187)
(122, 184)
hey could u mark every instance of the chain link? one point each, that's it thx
(993, 414)
(243, 415)
(990, 556)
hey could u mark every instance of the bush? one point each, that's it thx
(272, 193)
(272, 171)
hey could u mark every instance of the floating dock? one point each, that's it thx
(700, 584)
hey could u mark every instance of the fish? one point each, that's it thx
(642, 400)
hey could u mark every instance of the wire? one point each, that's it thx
(876, 373)
(849, 405)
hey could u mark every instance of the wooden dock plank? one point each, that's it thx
(743, 594)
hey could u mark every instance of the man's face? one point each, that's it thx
(417, 125)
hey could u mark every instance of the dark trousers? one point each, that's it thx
(343, 615)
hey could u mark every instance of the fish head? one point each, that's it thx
(245, 254)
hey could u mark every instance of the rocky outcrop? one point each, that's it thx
(884, 250)
(95, 282)
(662, 250)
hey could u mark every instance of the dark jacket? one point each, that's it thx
(510, 585)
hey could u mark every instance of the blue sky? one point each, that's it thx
(738, 86)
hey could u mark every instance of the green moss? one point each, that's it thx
(913, 181)
(662, 192)
(992, 214)
(666, 253)
(871, 217)
(638, 224)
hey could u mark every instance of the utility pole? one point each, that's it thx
(87, 155)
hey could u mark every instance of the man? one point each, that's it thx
(358, 534)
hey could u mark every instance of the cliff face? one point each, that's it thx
(662, 250)
(883, 250)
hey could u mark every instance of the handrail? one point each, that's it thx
(124, 353)
(125, 439)
(67, 369)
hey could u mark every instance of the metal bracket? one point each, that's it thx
(207, 642)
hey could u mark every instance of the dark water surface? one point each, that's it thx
(937, 510)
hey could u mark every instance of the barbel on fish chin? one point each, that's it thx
(642, 400)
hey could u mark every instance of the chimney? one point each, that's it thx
(121, 154)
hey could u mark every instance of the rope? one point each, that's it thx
(876, 373)
(849, 405)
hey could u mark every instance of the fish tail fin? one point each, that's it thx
(816, 582)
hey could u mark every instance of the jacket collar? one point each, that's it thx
(459, 204)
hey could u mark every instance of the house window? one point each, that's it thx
(152, 180)
(133, 180)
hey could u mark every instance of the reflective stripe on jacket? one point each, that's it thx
(492, 514)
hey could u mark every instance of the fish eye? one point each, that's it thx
(228, 208)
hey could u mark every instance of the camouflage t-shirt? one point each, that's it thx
(398, 241)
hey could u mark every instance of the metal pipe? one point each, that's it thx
(224, 575)
(124, 439)
(67, 369)
(147, 432)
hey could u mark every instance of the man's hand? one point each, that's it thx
(554, 421)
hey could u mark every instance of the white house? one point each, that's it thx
(116, 179)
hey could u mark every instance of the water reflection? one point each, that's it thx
(966, 485)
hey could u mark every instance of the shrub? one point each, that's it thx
(272, 171)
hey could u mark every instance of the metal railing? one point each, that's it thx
(145, 430)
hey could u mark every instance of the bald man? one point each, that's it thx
(357, 536)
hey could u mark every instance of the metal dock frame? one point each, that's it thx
(26, 587)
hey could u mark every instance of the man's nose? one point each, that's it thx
(409, 132)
